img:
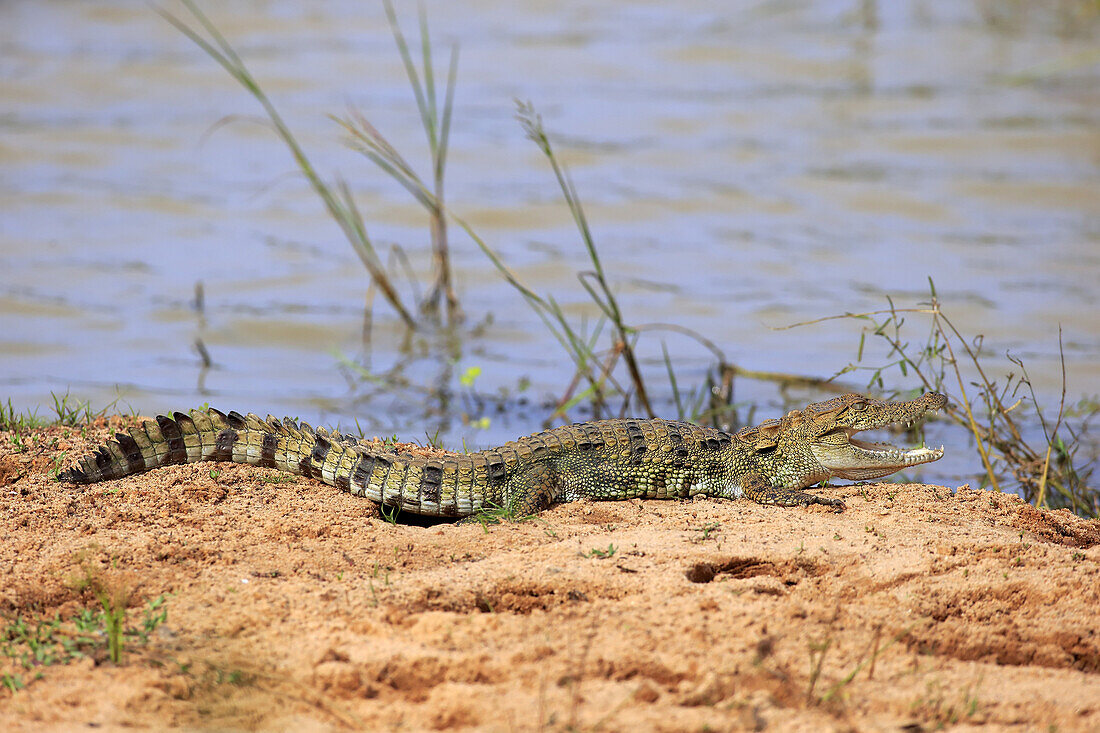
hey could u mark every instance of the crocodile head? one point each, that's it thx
(818, 443)
(829, 428)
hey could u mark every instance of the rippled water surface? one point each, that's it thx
(744, 166)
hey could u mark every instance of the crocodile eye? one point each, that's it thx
(859, 406)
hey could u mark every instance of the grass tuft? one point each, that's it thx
(491, 513)
(114, 590)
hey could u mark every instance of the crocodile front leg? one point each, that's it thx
(760, 490)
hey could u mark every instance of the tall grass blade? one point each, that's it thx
(437, 131)
(347, 218)
(531, 122)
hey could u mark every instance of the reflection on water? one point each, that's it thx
(743, 165)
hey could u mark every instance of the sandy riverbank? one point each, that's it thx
(295, 606)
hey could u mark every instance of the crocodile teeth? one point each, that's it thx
(922, 455)
(900, 456)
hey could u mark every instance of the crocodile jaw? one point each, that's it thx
(863, 459)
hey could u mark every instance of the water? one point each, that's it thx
(744, 166)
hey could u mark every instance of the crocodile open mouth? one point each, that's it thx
(859, 459)
(894, 455)
(870, 457)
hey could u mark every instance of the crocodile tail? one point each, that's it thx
(200, 435)
(446, 486)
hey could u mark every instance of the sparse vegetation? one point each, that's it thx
(706, 531)
(29, 645)
(596, 380)
(877, 649)
(389, 513)
(68, 411)
(72, 412)
(947, 705)
(994, 411)
(16, 421)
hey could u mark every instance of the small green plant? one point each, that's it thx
(30, 644)
(385, 576)
(12, 682)
(601, 554)
(113, 600)
(21, 425)
(389, 513)
(430, 441)
(385, 572)
(114, 590)
(155, 614)
(706, 531)
(947, 705)
(56, 463)
(73, 412)
(18, 422)
(229, 677)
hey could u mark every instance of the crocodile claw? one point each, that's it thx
(837, 505)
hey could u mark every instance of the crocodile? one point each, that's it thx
(769, 463)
